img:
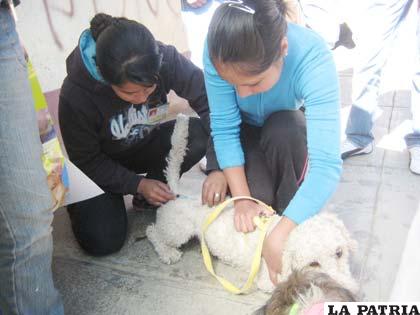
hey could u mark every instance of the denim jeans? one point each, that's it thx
(386, 19)
(26, 284)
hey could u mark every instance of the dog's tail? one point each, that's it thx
(179, 141)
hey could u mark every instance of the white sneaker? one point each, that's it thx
(415, 160)
(349, 149)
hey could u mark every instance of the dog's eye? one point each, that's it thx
(339, 252)
(314, 264)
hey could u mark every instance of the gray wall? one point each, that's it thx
(50, 29)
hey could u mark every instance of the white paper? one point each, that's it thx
(81, 187)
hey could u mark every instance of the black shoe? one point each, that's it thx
(345, 38)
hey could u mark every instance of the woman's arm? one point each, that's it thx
(245, 210)
(225, 125)
(316, 82)
(322, 112)
(82, 145)
(274, 245)
(225, 117)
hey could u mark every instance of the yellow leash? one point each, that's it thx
(262, 224)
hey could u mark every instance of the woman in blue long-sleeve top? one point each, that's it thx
(273, 93)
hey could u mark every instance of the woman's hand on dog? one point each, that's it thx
(245, 211)
(274, 245)
(214, 189)
(155, 191)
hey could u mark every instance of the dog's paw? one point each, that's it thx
(170, 255)
(167, 254)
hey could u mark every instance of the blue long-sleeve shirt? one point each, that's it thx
(308, 78)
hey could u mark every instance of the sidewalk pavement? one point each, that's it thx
(377, 198)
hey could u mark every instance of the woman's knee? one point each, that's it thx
(259, 176)
(101, 244)
(284, 128)
(197, 140)
(261, 190)
(99, 224)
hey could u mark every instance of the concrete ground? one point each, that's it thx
(377, 199)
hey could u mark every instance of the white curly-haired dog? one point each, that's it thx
(322, 242)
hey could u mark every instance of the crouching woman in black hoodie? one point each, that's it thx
(111, 106)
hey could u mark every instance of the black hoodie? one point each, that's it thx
(98, 128)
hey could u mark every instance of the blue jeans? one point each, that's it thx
(387, 18)
(26, 284)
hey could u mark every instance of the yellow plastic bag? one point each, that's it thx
(52, 157)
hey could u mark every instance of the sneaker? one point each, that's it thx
(349, 149)
(415, 160)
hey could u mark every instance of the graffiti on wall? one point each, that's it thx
(67, 9)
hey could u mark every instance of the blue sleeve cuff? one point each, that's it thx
(314, 192)
(230, 157)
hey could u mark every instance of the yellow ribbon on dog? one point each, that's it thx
(262, 224)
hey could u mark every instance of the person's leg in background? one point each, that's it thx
(413, 139)
(276, 157)
(380, 22)
(25, 200)
(322, 16)
(196, 21)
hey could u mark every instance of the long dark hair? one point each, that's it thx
(248, 33)
(126, 50)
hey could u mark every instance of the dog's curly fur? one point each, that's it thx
(306, 288)
(321, 243)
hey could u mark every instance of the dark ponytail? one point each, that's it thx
(248, 34)
(126, 51)
(99, 23)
